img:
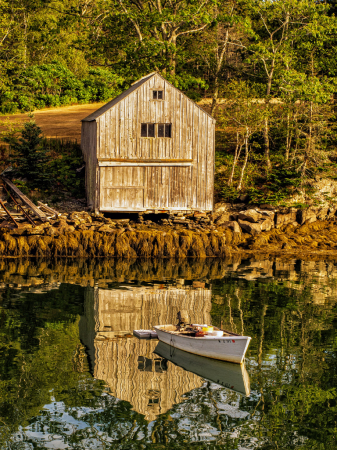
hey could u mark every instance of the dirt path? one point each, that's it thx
(64, 122)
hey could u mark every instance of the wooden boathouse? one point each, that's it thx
(149, 149)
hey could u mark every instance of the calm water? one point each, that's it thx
(72, 376)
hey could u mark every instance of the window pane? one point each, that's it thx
(143, 132)
(168, 130)
(161, 128)
(150, 130)
(155, 95)
(160, 95)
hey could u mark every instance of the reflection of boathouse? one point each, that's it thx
(132, 372)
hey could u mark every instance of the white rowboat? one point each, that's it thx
(231, 347)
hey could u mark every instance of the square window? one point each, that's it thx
(168, 130)
(155, 95)
(161, 130)
(150, 130)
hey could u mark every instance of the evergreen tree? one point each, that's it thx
(30, 159)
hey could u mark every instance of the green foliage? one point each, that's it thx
(30, 158)
(277, 186)
(66, 158)
(52, 85)
(46, 164)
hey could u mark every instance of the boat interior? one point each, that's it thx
(191, 330)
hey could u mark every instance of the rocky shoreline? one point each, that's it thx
(230, 229)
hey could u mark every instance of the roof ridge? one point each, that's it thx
(145, 76)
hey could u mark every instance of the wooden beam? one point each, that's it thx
(40, 214)
(143, 164)
(146, 161)
(9, 214)
(48, 209)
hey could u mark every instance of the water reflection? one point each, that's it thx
(128, 366)
(231, 376)
(72, 376)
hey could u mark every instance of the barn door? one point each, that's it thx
(122, 188)
(168, 187)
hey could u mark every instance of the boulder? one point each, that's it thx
(223, 218)
(234, 226)
(35, 230)
(285, 216)
(268, 214)
(306, 215)
(322, 213)
(267, 224)
(251, 215)
(105, 229)
(222, 207)
(250, 227)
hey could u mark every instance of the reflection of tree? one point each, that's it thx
(294, 348)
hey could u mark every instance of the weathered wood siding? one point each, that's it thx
(168, 173)
(89, 146)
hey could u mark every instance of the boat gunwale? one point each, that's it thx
(172, 333)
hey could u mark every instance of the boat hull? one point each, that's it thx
(227, 348)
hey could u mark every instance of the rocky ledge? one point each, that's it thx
(231, 229)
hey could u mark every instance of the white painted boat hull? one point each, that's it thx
(227, 348)
(231, 376)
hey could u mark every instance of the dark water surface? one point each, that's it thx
(73, 377)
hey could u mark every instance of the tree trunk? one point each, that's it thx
(173, 56)
(238, 149)
(289, 138)
(266, 143)
(244, 163)
(219, 63)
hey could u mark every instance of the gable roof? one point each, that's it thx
(93, 116)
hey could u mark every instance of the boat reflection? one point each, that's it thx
(229, 375)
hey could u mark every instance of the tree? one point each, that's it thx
(160, 25)
(279, 27)
(243, 112)
(29, 156)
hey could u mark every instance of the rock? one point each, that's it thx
(36, 230)
(244, 198)
(183, 221)
(285, 216)
(322, 213)
(122, 220)
(51, 231)
(234, 226)
(250, 227)
(306, 215)
(20, 231)
(251, 215)
(269, 214)
(267, 224)
(224, 217)
(82, 226)
(221, 208)
(267, 207)
(74, 222)
(105, 229)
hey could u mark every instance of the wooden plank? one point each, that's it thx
(48, 209)
(144, 160)
(40, 214)
(209, 165)
(142, 164)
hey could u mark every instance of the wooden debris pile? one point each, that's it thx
(24, 208)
